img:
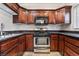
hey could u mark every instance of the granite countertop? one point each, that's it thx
(76, 35)
(5, 37)
(2, 38)
(71, 34)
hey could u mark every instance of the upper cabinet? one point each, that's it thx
(22, 16)
(13, 6)
(51, 15)
(63, 15)
(57, 16)
(34, 13)
(42, 13)
(31, 16)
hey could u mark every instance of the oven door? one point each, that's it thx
(41, 42)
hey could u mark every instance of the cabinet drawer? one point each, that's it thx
(72, 41)
(13, 52)
(74, 48)
(8, 44)
(70, 52)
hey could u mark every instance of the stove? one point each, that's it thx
(41, 41)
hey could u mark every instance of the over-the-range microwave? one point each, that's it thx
(41, 20)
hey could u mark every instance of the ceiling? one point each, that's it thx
(43, 5)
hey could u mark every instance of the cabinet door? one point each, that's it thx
(20, 49)
(22, 15)
(31, 17)
(42, 13)
(21, 46)
(70, 52)
(29, 42)
(60, 16)
(54, 43)
(51, 15)
(5, 45)
(71, 46)
(61, 44)
(13, 52)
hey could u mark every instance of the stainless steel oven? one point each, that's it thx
(41, 42)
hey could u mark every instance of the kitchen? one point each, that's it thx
(29, 29)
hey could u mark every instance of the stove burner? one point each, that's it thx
(41, 34)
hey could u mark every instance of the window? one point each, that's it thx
(76, 16)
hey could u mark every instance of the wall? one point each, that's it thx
(71, 27)
(6, 19)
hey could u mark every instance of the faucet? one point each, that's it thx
(2, 27)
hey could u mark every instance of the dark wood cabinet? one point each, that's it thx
(34, 13)
(13, 6)
(21, 46)
(29, 42)
(63, 15)
(5, 45)
(13, 46)
(42, 13)
(13, 52)
(60, 16)
(21, 17)
(8, 45)
(20, 49)
(51, 16)
(31, 17)
(57, 16)
(71, 46)
(61, 44)
(54, 42)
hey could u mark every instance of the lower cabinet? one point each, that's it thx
(61, 44)
(54, 42)
(21, 49)
(8, 45)
(71, 46)
(29, 42)
(66, 45)
(21, 46)
(13, 52)
(13, 46)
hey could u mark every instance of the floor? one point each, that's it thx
(41, 54)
